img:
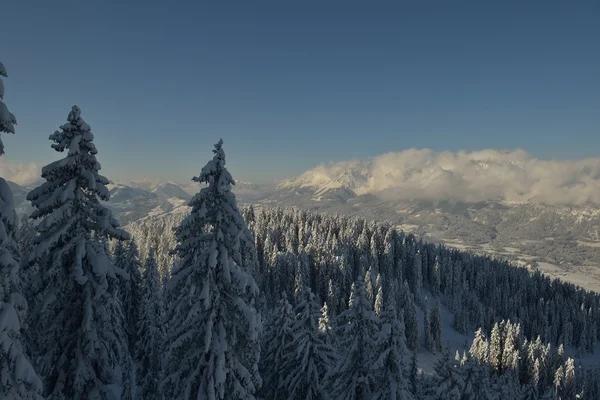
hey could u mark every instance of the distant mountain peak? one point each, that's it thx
(514, 176)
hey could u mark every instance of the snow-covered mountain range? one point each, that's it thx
(506, 203)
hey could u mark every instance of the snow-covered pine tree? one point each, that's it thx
(18, 380)
(427, 338)
(325, 324)
(119, 255)
(27, 235)
(334, 302)
(130, 289)
(83, 344)
(416, 278)
(302, 276)
(391, 358)
(30, 281)
(530, 391)
(369, 286)
(308, 357)
(479, 350)
(510, 351)
(476, 380)
(214, 327)
(436, 326)
(29, 271)
(379, 302)
(150, 334)
(435, 277)
(505, 386)
(448, 383)
(7, 119)
(497, 347)
(277, 335)
(352, 378)
(411, 324)
(414, 376)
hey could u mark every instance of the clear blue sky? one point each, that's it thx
(289, 84)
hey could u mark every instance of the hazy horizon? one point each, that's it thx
(469, 176)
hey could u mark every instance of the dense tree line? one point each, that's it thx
(334, 250)
(353, 267)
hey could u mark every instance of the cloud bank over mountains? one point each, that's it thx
(414, 174)
(511, 175)
(22, 174)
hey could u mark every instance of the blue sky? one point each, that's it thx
(289, 84)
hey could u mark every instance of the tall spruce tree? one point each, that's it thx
(26, 236)
(18, 380)
(391, 358)
(427, 338)
(7, 119)
(325, 324)
(353, 378)
(436, 326)
(29, 271)
(150, 333)
(130, 289)
(308, 357)
(411, 323)
(277, 336)
(214, 328)
(84, 348)
(448, 384)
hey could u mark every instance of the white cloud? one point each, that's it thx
(513, 176)
(23, 174)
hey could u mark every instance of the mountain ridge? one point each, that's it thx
(525, 230)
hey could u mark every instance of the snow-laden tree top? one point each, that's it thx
(7, 119)
(214, 206)
(70, 196)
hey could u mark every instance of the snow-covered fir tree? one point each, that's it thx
(427, 338)
(150, 334)
(448, 383)
(18, 379)
(476, 382)
(378, 308)
(27, 235)
(82, 342)
(480, 347)
(130, 288)
(325, 324)
(308, 357)
(497, 346)
(29, 271)
(391, 358)
(214, 329)
(436, 326)
(277, 336)
(353, 378)
(414, 377)
(7, 119)
(410, 321)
